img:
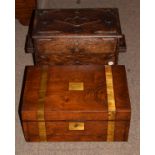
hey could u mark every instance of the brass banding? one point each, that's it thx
(41, 100)
(111, 103)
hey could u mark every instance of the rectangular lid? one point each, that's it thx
(50, 23)
(84, 92)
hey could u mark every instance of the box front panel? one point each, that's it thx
(75, 59)
(76, 45)
(77, 131)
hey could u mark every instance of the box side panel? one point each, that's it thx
(121, 130)
(121, 93)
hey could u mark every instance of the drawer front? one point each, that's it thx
(76, 45)
(73, 59)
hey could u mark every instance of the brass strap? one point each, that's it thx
(110, 131)
(111, 103)
(40, 112)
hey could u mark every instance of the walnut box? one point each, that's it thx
(75, 103)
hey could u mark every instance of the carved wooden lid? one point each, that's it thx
(76, 22)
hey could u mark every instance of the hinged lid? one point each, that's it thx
(88, 92)
(76, 22)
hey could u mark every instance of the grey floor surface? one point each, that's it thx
(129, 17)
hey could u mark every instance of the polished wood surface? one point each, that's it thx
(62, 105)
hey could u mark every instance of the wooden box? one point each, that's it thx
(75, 36)
(75, 103)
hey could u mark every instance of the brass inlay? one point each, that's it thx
(76, 125)
(40, 112)
(42, 131)
(76, 86)
(111, 104)
(110, 131)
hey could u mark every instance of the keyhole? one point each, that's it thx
(76, 125)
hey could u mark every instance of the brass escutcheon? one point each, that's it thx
(76, 86)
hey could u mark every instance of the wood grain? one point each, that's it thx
(66, 22)
(71, 45)
(74, 59)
